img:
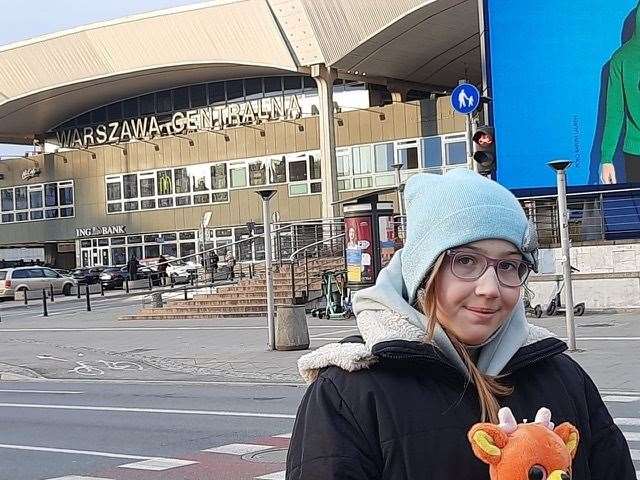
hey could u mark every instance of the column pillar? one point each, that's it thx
(324, 78)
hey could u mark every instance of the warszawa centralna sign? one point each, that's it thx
(207, 118)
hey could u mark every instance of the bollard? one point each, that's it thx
(86, 291)
(213, 276)
(126, 284)
(101, 289)
(45, 312)
(173, 281)
(26, 302)
(191, 276)
(185, 293)
(51, 288)
(78, 289)
(150, 282)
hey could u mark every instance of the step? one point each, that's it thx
(219, 302)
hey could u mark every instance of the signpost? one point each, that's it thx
(465, 99)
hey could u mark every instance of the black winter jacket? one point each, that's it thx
(407, 417)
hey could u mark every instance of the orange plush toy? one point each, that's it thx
(528, 451)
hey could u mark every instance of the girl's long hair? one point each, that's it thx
(488, 387)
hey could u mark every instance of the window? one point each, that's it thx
(238, 175)
(198, 95)
(181, 180)
(343, 159)
(134, 239)
(408, 154)
(253, 88)
(362, 161)
(147, 185)
(51, 195)
(163, 101)
(130, 206)
(147, 204)
(48, 273)
(151, 251)
(65, 191)
(147, 104)
(114, 191)
(257, 173)
(199, 177)
(130, 108)
(384, 157)
(99, 115)
(272, 86)
(130, 185)
(314, 167)
(278, 170)
(297, 170)
(7, 199)
(235, 91)
(35, 197)
(165, 202)
(218, 197)
(187, 236)
(219, 176)
(432, 152)
(118, 256)
(181, 98)
(292, 84)
(170, 249)
(187, 248)
(216, 93)
(21, 198)
(456, 153)
(165, 182)
(114, 111)
(114, 207)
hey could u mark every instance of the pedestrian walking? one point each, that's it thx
(132, 267)
(213, 261)
(230, 260)
(162, 268)
(444, 344)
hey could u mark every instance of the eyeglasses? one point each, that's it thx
(472, 265)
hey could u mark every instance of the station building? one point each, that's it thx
(140, 126)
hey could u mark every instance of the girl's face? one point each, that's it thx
(474, 309)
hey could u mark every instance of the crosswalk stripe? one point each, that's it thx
(634, 422)
(239, 448)
(273, 476)
(632, 436)
(158, 464)
(620, 398)
(283, 435)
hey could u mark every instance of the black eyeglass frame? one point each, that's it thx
(490, 262)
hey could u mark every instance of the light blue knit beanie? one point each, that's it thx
(459, 207)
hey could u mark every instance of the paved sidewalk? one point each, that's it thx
(91, 345)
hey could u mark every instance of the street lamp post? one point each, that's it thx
(560, 167)
(266, 195)
(398, 166)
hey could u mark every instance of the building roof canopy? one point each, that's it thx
(49, 79)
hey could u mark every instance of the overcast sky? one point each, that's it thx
(32, 18)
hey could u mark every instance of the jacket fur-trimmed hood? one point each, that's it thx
(383, 314)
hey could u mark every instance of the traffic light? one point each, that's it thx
(484, 146)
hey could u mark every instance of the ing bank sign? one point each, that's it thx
(214, 118)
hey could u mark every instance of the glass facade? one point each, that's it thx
(194, 96)
(43, 201)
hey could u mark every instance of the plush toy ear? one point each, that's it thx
(487, 441)
(570, 436)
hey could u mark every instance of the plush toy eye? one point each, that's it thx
(537, 472)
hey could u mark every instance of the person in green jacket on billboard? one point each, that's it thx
(623, 109)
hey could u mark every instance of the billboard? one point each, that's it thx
(565, 84)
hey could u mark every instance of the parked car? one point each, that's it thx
(89, 275)
(13, 280)
(179, 270)
(113, 277)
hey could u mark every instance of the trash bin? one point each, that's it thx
(292, 332)
(156, 300)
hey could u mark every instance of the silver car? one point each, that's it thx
(33, 278)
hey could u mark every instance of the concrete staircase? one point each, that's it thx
(248, 297)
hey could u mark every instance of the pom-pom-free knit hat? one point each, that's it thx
(459, 207)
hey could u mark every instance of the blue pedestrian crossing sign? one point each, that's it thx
(465, 98)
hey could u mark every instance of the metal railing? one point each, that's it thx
(594, 217)
(323, 252)
(316, 238)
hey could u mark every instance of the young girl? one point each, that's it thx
(445, 343)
